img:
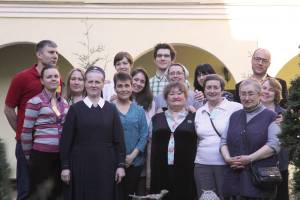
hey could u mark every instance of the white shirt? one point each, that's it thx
(209, 142)
(108, 90)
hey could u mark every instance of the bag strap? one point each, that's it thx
(213, 125)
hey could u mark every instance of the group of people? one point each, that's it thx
(99, 138)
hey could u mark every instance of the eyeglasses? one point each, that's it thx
(176, 73)
(259, 59)
(250, 94)
(163, 55)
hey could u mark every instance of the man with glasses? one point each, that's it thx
(261, 61)
(164, 55)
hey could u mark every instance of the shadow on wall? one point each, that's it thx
(190, 56)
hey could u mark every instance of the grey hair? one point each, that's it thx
(253, 82)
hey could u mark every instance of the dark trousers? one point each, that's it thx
(245, 198)
(283, 188)
(22, 173)
(44, 171)
(131, 180)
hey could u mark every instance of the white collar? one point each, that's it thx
(89, 103)
(223, 105)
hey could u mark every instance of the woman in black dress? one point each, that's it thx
(92, 145)
(174, 144)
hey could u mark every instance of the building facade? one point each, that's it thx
(222, 33)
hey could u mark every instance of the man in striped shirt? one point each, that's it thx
(164, 55)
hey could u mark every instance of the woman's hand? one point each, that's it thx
(279, 119)
(199, 96)
(128, 160)
(66, 176)
(120, 173)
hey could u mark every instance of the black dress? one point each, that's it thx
(92, 147)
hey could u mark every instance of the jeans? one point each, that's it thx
(22, 173)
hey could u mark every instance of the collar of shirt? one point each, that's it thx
(89, 103)
(222, 106)
(173, 123)
(262, 80)
(160, 76)
(47, 96)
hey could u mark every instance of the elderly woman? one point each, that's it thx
(176, 73)
(251, 139)
(211, 122)
(271, 96)
(173, 149)
(92, 146)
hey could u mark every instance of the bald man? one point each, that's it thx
(261, 60)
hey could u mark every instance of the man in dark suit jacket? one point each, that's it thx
(261, 61)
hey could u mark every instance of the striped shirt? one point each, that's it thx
(42, 127)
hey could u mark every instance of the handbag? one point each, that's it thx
(265, 177)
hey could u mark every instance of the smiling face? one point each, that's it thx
(138, 82)
(50, 79)
(249, 96)
(76, 83)
(213, 91)
(268, 93)
(163, 59)
(94, 84)
(176, 98)
(123, 65)
(176, 74)
(123, 89)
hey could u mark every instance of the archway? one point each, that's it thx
(15, 57)
(290, 70)
(190, 56)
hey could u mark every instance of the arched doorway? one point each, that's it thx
(190, 56)
(290, 70)
(15, 57)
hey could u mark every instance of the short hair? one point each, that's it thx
(94, 68)
(214, 77)
(165, 46)
(180, 65)
(172, 85)
(122, 76)
(46, 68)
(42, 44)
(277, 89)
(202, 69)
(123, 54)
(253, 82)
(68, 88)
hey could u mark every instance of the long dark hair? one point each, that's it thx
(202, 69)
(145, 97)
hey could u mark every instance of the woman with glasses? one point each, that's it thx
(176, 73)
(251, 140)
(92, 147)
